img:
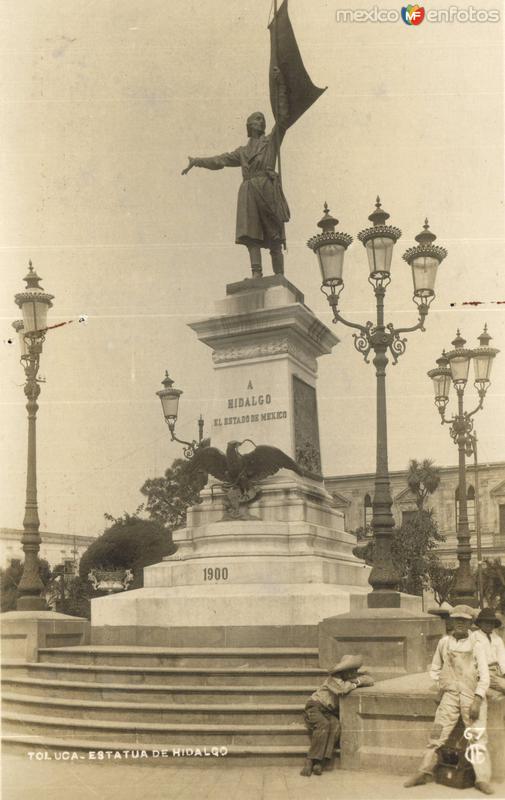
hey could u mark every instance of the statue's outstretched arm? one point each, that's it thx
(215, 162)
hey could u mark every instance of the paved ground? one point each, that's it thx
(30, 780)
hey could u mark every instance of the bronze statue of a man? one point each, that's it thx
(262, 209)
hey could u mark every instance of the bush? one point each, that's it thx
(130, 543)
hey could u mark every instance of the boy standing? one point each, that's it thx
(322, 712)
(493, 645)
(460, 668)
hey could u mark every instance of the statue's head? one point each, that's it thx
(256, 124)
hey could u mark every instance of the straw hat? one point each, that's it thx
(347, 662)
(463, 612)
(488, 615)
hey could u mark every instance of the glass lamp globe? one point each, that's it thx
(34, 303)
(169, 397)
(379, 242)
(329, 247)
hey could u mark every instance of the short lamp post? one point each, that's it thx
(424, 259)
(169, 397)
(453, 367)
(34, 303)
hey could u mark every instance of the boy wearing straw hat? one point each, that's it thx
(322, 710)
(487, 622)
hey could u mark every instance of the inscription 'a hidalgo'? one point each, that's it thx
(243, 402)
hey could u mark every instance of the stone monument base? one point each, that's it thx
(261, 581)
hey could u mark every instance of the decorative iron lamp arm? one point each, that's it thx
(419, 326)
(189, 448)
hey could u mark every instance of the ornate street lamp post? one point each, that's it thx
(169, 397)
(424, 259)
(454, 367)
(34, 303)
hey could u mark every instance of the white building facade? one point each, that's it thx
(56, 548)
(353, 495)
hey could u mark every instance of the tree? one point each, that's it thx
(493, 583)
(413, 551)
(441, 579)
(423, 479)
(130, 543)
(11, 576)
(169, 497)
(70, 594)
(414, 542)
(363, 533)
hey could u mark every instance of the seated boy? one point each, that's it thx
(322, 712)
(460, 668)
(494, 647)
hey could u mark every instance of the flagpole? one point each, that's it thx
(277, 135)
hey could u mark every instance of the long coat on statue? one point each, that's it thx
(262, 208)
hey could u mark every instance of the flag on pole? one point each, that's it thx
(284, 53)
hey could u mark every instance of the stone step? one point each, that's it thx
(212, 676)
(87, 690)
(228, 714)
(98, 750)
(131, 655)
(185, 734)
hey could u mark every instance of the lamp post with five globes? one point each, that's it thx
(385, 340)
(453, 367)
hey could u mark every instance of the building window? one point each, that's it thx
(501, 519)
(470, 505)
(368, 511)
(408, 516)
(68, 566)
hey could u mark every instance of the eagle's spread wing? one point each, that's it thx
(211, 460)
(265, 461)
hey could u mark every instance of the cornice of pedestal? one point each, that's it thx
(274, 346)
(265, 332)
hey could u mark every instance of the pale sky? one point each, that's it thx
(102, 103)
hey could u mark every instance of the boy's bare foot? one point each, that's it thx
(417, 780)
(307, 768)
(484, 787)
(328, 764)
(317, 768)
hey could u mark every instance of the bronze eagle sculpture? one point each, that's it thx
(239, 472)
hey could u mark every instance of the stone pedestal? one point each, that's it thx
(265, 344)
(23, 632)
(393, 641)
(270, 578)
(386, 727)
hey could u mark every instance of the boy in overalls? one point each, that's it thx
(460, 668)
